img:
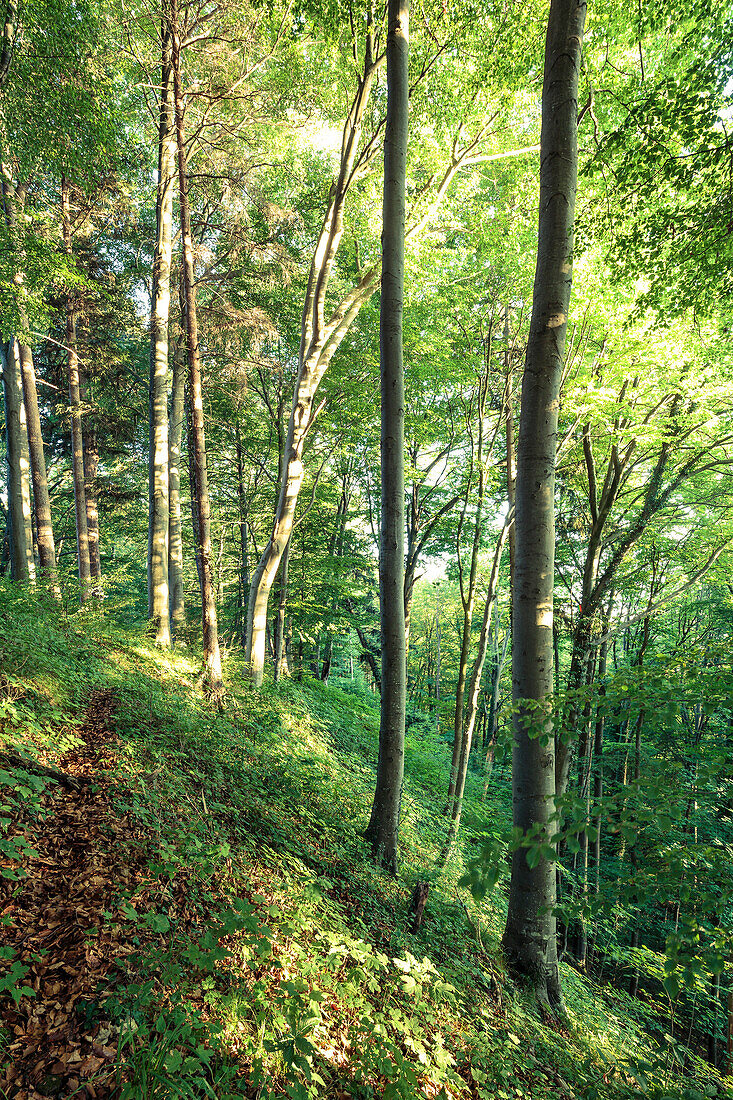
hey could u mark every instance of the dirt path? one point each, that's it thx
(55, 921)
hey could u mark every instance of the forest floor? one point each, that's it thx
(190, 911)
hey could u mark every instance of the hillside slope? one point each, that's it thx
(189, 909)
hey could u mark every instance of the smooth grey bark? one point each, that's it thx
(41, 497)
(77, 438)
(175, 536)
(511, 464)
(382, 831)
(212, 654)
(158, 469)
(529, 939)
(22, 565)
(280, 659)
(437, 665)
(242, 506)
(91, 465)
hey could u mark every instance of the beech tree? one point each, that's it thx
(159, 464)
(383, 829)
(529, 938)
(197, 441)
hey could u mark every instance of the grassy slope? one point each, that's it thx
(268, 956)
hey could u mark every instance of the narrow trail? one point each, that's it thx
(54, 920)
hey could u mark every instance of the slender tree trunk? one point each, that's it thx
(77, 437)
(466, 737)
(598, 777)
(175, 534)
(244, 579)
(584, 770)
(319, 341)
(212, 656)
(91, 465)
(529, 938)
(468, 595)
(22, 565)
(280, 661)
(383, 828)
(491, 720)
(437, 666)
(190, 449)
(159, 483)
(41, 498)
(511, 464)
(37, 457)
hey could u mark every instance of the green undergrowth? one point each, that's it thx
(271, 958)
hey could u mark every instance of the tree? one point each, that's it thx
(159, 479)
(529, 937)
(197, 441)
(383, 829)
(18, 466)
(319, 341)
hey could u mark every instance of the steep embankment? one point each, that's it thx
(191, 911)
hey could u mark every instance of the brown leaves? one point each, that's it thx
(55, 921)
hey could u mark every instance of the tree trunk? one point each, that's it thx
(511, 464)
(437, 666)
(212, 656)
(529, 938)
(468, 595)
(243, 549)
(37, 457)
(383, 828)
(91, 464)
(175, 535)
(318, 343)
(280, 661)
(22, 565)
(466, 733)
(598, 774)
(77, 438)
(159, 484)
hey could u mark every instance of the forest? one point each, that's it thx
(366, 540)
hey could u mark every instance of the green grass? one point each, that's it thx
(272, 953)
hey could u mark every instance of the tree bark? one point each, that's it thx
(159, 483)
(22, 566)
(77, 438)
(280, 661)
(242, 505)
(383, 828)
(529, 938)
(175, 536)
(41, 498)
(511, 464)
(91, 464)
(212, 655)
